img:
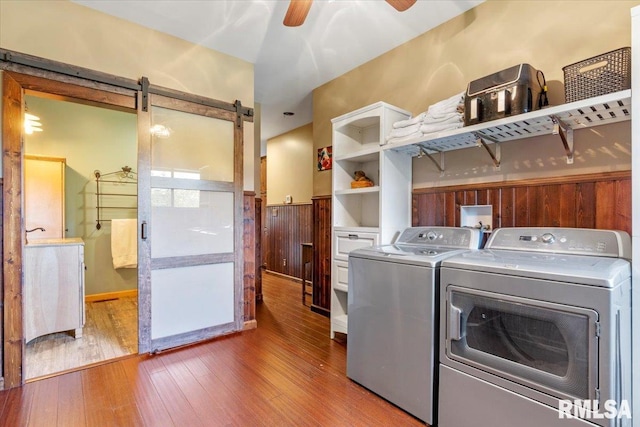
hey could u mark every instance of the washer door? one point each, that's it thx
(550, 347)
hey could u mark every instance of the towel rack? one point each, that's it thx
(123, 176)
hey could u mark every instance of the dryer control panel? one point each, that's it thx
(576, 241)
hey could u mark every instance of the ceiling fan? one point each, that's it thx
(298, 10)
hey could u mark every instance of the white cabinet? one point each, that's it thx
(371, 215)
(53, 287)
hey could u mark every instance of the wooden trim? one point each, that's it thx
(191, 107)
(258, 251)
(13, 235)
(328, 196)
(571, 179)
(238, 223)
(78, 89)
(177, 96)
(250, 324)
(111, 295)
(320, 310)
(249, 248)
(193, 337)
(45, 158)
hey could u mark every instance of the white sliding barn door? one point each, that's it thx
(191, 223)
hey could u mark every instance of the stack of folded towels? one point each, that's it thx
(444, 115)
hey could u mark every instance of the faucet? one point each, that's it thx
(29, 231)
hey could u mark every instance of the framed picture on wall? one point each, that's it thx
(324, 158)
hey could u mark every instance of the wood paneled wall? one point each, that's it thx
(288, 226)
(321, 254)
(585, 201)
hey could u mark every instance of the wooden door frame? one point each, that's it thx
(15, 85)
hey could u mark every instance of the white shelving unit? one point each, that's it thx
(561, 120)
(371, 215)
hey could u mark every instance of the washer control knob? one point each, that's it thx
(548, 238)
(432, 235)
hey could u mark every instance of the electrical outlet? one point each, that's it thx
(284, 262)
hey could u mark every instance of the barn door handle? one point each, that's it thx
(143, 230)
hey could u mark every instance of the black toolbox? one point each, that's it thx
(512, 91)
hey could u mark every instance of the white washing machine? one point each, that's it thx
(536, 328)
(393, 315)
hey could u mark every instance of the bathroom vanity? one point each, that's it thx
(53, 287)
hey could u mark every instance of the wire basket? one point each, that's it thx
(602, 74)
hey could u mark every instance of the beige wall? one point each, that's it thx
(290, 158)
(74, 34)
(486, 39)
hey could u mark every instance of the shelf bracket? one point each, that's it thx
(439, 164)
(566, 135)
(495, 156)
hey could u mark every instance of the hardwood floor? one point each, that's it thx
(110, 331)
(287, 372)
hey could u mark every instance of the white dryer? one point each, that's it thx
(535, 328)
(393, 315)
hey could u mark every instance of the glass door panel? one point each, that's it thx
(547, 346)
(190, 146)
(193, 222)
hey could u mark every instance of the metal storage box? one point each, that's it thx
(599, 75)
(505, 93)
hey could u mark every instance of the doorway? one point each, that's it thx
(93, 143)
(179, 278)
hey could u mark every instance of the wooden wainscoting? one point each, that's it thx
(600, 200)
(249, 239)
(288, 226)
(321, 254)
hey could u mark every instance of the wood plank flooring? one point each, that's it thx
(287, 372)
(110, 331)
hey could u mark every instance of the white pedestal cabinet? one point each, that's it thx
(371, 215)
(53, 287)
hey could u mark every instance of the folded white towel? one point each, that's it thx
(445, 118)
(124, 243)
(439, 127)
(411, 137)
(409, 122)
(447, 105)
(400, 132)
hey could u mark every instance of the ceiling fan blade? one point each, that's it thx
(401, 5)
(297, 12)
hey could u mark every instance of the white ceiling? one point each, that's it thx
(290, 62)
